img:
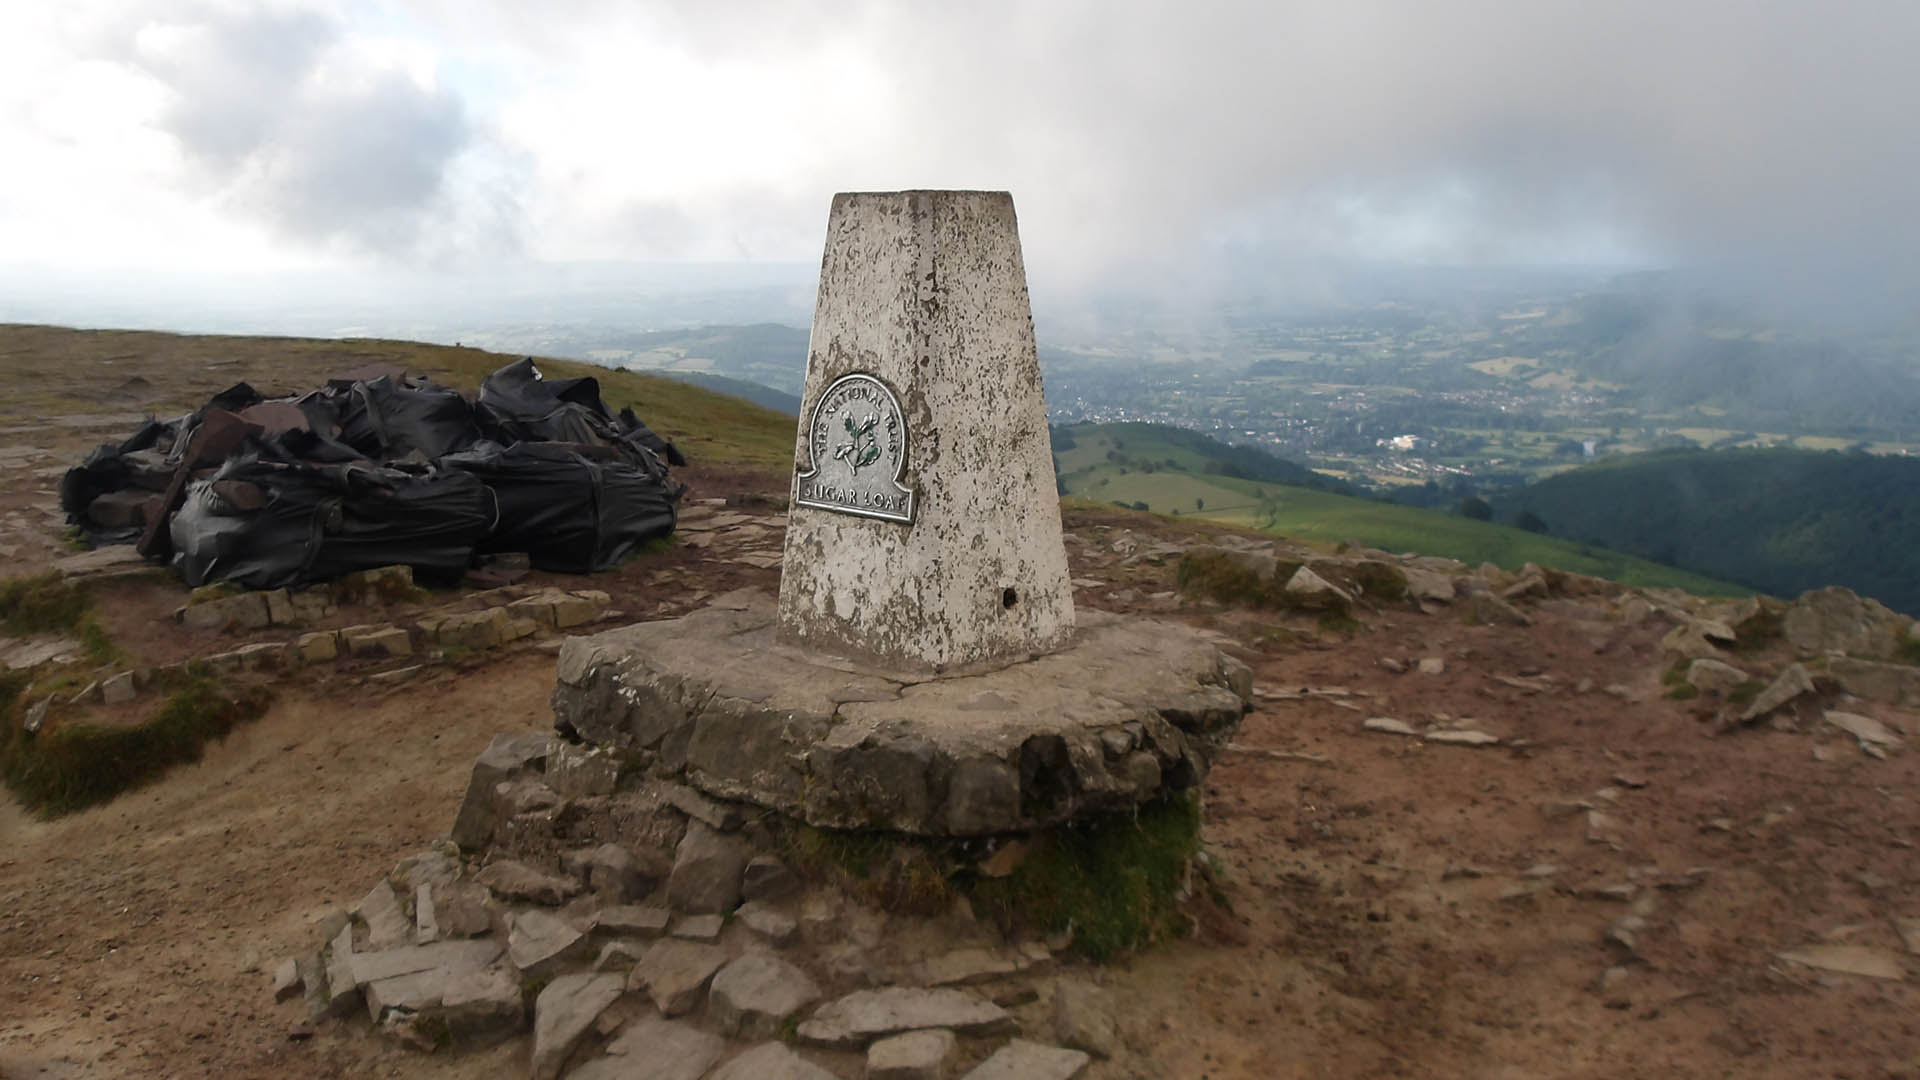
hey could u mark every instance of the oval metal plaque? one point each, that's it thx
(857, 440)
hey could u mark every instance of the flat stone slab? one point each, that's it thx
(917, 1055)
(1130, 708)
(771, 1061)
(449, 956)
(1023, 1060)
(752, 996)
(561, 1015)
(655, 1048)
(674, 972)
(852, 1022)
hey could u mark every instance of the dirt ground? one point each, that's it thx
(1398, 907)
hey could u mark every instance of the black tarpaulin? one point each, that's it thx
(299, 523)
(383, 470)
(569, 511)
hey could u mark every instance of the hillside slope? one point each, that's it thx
(1174, 471)
(1778, 520)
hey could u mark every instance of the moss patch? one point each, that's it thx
(49, 604)
(73, 766)
(1111, 881)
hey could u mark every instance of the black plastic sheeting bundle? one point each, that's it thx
(379, 471)
(265, 524)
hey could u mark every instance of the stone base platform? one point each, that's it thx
(1128, 709)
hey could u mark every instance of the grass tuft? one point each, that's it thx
(1113, 881)
(72, 766)
(42, 604)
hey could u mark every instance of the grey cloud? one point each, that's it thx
(1760, 137)
(355, 158)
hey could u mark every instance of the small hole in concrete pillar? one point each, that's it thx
(1008, 597)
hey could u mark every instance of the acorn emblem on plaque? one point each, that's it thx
(857, 446)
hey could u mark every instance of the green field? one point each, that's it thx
(1326, 518)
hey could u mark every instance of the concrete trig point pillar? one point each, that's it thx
(925, 527)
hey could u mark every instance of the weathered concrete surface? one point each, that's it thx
(926, 291)
(1129, 708)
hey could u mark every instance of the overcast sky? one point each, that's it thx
(1777, 139)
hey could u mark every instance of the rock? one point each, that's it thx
(770, 1061)
(766, 878)
(36, 715)
(1891, 684)
(851, 1022)
(1849, 960)
(1023, 1060)
(426, 921)
(916, 1055)
(674, 972)
(1688, 643)
(618, 877)
(1530, 586)
(562, 1014)
(247, 611)
(1428, 586)
(1432, 665)
(1462, 737)
(752, 997)
(376, 641)
(1083, 1018)
(577, 608)
(617, 957)
(1388, 725)
(343, 988)
(1864, 728)
(443, 956)
(762, 919)
(697, 927)
(540, 944)
(1834, 620)
(287, 981)
(312, 969)
(119, 689)
(1490, 610)
(317, 647)
(1311, 592)
(1790, 684)
(574, 770)
(967, 966)
(655, 1048)
(472, 630)
(387, 923)
(1909, 931)
(724, 816)
(506, 756)
(1708, 675)
(482, 1007)
(707, 869)
(512, 880)
(460, 909)
(633, 921)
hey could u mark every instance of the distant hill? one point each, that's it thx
(765, 353)
(1172, 470)
(764, 396)
(1781, 521)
